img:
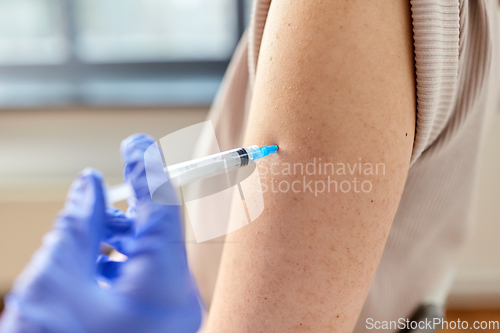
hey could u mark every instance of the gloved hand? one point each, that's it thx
(153, 291)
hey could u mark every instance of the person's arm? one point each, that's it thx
(335, 81)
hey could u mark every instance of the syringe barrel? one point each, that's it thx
(201, 168)
(205, 167)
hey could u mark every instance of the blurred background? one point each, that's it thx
(78, 76)
(116, 52)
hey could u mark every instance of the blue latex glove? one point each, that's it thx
(153, 291)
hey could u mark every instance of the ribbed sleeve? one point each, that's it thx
(436, 29)
(256, 30)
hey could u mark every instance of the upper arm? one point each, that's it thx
(335, 83)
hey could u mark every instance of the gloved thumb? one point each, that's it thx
(69, 251)
(81, 224)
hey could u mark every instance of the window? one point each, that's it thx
(116, 52)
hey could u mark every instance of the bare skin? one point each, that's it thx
(335, 81)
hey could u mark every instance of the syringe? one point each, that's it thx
(201, 168)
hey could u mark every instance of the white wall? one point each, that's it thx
(478, 279)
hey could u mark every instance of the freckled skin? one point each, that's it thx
(335, 80)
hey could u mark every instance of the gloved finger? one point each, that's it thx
(107, 268)
(81, 224)
(150, 155)
(144, 211)
(117, 221)
(132, 151)
(119, 229)
(157, 253)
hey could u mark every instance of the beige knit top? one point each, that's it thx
(456, 55)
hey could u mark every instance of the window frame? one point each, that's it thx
(199, 79)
